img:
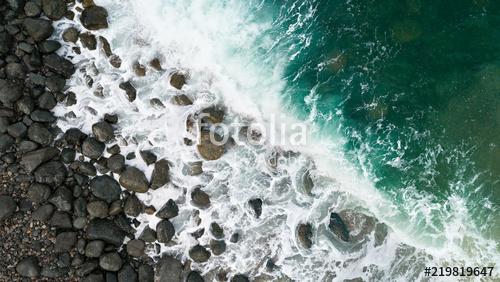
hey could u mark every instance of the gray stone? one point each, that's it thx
(65, 241)
(165, 231)
(42, 116)
(199, 198)
(10, 91)
(47, 101)
(28, 267)
(61, 220)
(216, 230)
(146, 273)
(7, 207)
(199, 254)
(97, 209)
(136, 247)
(32, 160)
(169, 269)
(94, 18)
(88, 40)
(17, 130)
(38, 29)
(169, 210)
(110, 262)
(54, 9)
(59, 65)
(39, 193)
(160, 175)
(194, 276)
(70, 35)
(148, 157)
(43, 213)
(15, 71)
(62, 198)
(31, 9)
(116, 163)
(94, 249)
(53, 172)
(40, 134)
(132, 207)
(129, 90)
(304, 235)
(127, 274)
(106, 188)
(49, 46)
(6, 142)
(106, 230)
(177, 80)
(103, 131)
(148, 235)
(217, 246)
(92, 148)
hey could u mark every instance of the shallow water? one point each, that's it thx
(401, 100)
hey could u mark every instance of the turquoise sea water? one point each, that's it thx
(414, 86)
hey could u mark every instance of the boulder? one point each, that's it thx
(129, 90)
(132, 207)
(160, 175)
(216, 230)
(94, 18)
(148, 157)
(165, 231)
(103, 131)
(40, 134)
(194, 276)
(199, 254)
(338, 227)
(110, 261)
(65, 241)
(106, 230)
(88, 40)
(134, 180)
(105, 187)
(127, 274)
(116, 163)
(59, 65)
(62, 198)
(181, 100)
(38, 29)
(199, 198)
(30, 161)
(217, 247)
(177, 80)
(28, 267)
(10, 91)
(169, 210)
(54, 9)
(52, 173)
(135, 248)
(7, 207)
(92, 148)
(304, 235)
(169, 269)
(97, 209)
(39, 193)
(70, 35)
(94, 249)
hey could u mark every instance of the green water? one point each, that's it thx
(414, 86)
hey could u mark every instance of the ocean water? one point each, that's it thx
(401, 100)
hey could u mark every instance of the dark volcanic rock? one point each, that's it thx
(110, 262)
(94, 18)
(17, 130)
(127, 274)
(194, 276)
(62, 198)
(169, 269)
(181, 100)
(39, 193)
(68, 155)
(106, 230)
(43, 213)
(105, 187)
(134, 179)
(160, 175)
(70, 34)
(97, 209)
(7, 207)
(59, 65)
(135, 248)
(47, 101)
(92, 148)
(49, 46)
(88, 40)
(199, 198)
(61, 220)
(148, 234)
(304, 235)
(31, 9)
(6, 42)
(146, 273)
(240, 278)
(106, 48)
(94, 249)
(38, 29)
(28, 267)
(74, 136)
(15, 70)
(65, 241)
(199, 254)
(216, 230)
(42, 116)
(169, 210)
(338, 227)
(51, 173)
(54, 9)
(116, 163)
(217, 246)
(129, 90)
(148, 157)
(132, 206)
(6, 142)
(10, 91)
(256, 205)
(165, 231)
(40, 134)
(103, 131)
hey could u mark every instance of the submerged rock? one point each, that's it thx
(134, 180)
(129, 90)
(256, 205)
(338, 227)
(155, 64)
(304, 235)
(94, 18)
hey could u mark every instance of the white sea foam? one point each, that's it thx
(214, 41)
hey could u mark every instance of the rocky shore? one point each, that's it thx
(68, 200)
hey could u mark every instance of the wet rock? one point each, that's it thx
(234, 238)
(65, 241)
(42, 116)
(62, 198)
(217, 246)
(17, 130)
(47, 101)
(86, 168)
(135, 248)
(94, 18)
(212, 115)
(156, 103)
(38, 29)
(148, 157)
(132, 206)
(106, 230)
(177, 80)
(74, 136)
(148, 235)
(111, 118)
(39, 193)
(106, 188)
(49, 46)
(160, 175)
(181, 100)
(10, 91)
(193, 168)
(155, 64)
(134, 180)
(97, 209)
(110, 261)
(338, 227)
(103, 131)
(194, 276)
(54, 9)
(54, 272)
(92, 148)
(115, 208)
(240, 278)
(169, 269)
(129, 90)
(169, 210)
(70, 35)
(127, 274)
(256, 205)
(216, 230)
(61, 220)
(199, 254)
(165, 231)
(88, 40)
(28, 267)
(139, 69)
(6, 42)
(15, 71)
(116, 163)
(115, 61)
(31, 9)
(7, 207)
(94, 249)
(26, 146)
(199, 198)
(304, 235)
(106, 48)
(6, 142)
(40, 134)
(59, 65)
(208, 149)
(53, 172)
(43, 213)
(94, 277)
(146, 273)
(32, 160)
